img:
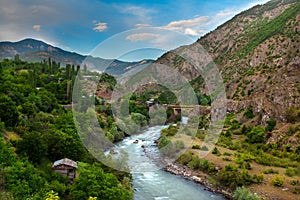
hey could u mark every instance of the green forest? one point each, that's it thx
(36, 130)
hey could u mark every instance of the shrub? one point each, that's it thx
(271, 123)
(171, 131)
(290, 171)
(204, 148)
(185, 158)
(241, 193)
(270, 171)
(291, 114)
(249, 113)
(227, 154)
(196, 146)
(179, 145)
(227, 159)
(256, 135)
(277, 181)
(258, 178)
(216, 151)
(230, 176)
(294, 182)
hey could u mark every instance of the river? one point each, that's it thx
(149, 181)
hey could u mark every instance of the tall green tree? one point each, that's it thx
(8, 112)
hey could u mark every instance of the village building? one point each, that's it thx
(66, 167)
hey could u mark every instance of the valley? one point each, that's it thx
(230, 121)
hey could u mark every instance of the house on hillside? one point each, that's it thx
(66, 167)
(151, 102)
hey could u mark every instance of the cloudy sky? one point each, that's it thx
(80, 25)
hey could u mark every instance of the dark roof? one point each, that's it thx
(65, 161)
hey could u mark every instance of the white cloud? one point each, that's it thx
(136, 10)
(141, 37)
(191, 32)
(182, 24)
(142, 25)
(36, 27)
(100, 26)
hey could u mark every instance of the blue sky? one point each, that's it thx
(81, 25)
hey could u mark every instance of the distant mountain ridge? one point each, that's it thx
(32, 50)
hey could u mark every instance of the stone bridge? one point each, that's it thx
(203, 110)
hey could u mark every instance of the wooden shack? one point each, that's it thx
(66, 167)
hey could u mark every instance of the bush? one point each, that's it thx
(227, 154)
(185, 158)
(290, 171)
(291, 115)
(170, 131)
(277, 181)
(196, 146)
(179, 145)
(164, 141)
(271, 123)
(270, 171)
(216, 151)
(294, 182)
(249, 113)
(204, 148)
(258, 178)
(256, 135)
(241, 193)
(230, 176)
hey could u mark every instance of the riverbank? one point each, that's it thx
(197, 177)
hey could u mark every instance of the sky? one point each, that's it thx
(128, 30)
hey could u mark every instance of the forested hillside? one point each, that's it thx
(35, 131)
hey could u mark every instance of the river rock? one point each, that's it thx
(136, 141)
(112, 151)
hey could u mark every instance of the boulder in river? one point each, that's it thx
(112, 151)
(136, 141)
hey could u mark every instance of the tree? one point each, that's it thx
(139, 119)
(29, 109)
(32, 146)
(167, 97)
(62, 145)
(256, 135)
(8, 112)
(7, 156)
(17, 57)
(271, 123)
(93, 182)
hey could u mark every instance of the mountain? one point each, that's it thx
(32, 50)
(257, 54)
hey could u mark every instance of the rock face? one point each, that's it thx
(257, 54)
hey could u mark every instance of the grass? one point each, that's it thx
(266, 189)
